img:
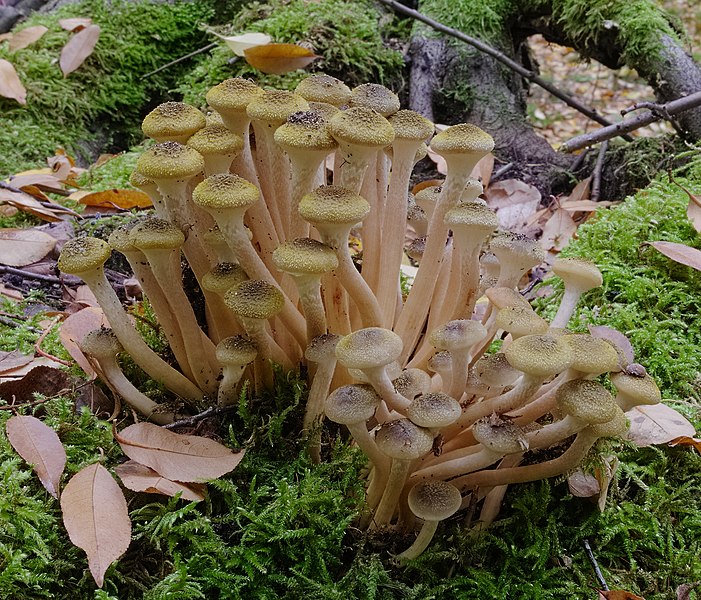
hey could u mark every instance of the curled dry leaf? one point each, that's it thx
(140, 478)
(278, 59)
(96, 517)
(685, 440)
(657, 424)
(27, 203)
(10, 84)
(186, 458)
(240, 43)
(75, 328)
(75, 24)
(125, 199)
(681, 253)
(558, 230)
(78, 48)
(26, 37)
(20, 247)
(39, 445)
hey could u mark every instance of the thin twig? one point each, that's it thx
(29, 274)
(42, 337)
(181, 59)
(597, 570)
(598, 171)
(502, 58)
(14, 406)
(501, 170)
(606, 133)
(213, 411)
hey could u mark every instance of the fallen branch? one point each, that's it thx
(606, 133)
(502, 58)
(598, 170)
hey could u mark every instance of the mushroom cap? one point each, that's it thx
(517, 249)
(368, 348)
(539, 355)
(141, 181)
(101, 343)
(410, 125)
(305, 256)
(412, 382)
(361, 126)
(375, 96)
(638, 389)
(325, 109)
(156, 234)
(403, 440)
(83, 254)
(173, 120)
(440, 362)
(333, 205)
(236, 350)
(616, 427)
(464, 138)
(501, 297)
(119, 239)
(586, 400)
(427, 197)
(232, 95)
(578, 273)
(495, 370)
(322, 348)
(414, 213)
(273, 107)
(591, 354)
(223, 277)
(170, 160)
(502, 436)
(473, 190)
(216, 139)
(519, 320)
(415, 250)
(350, 404)
(324, 88)
(305, 130)
(434, 500)
(225, 191)
(460, 334)
(255, 299)
(434, 410)
(473, 217)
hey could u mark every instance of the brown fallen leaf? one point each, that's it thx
(11, 294)
(10, 84)
(40, 446)
(618, 595)
(75, 328)
(657, 424)
(26, 37)
(685, 440)
(41, 379)
(96, 517)
(95, 400)
(483, 170)
(78, 48)
(277, 59)
(20, 247)
(140, 478)
(75, 24)
(125, 199)
(11, 361)
(27, 203)
(558, 230)
(681, 253)
(514, 202)
(186, 458)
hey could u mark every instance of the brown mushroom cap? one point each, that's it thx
(225, 191)
(361, 126)
(578, 273)
(434, 410)
(223, 277)
(377, 97)
(322, 348)
(333, 204)
(368, 348)
(616, 427)
(403, 440)
(539, 355)
(305, 256)
(255, 299)
(495, 370)
(236, 350)
(173, 120)
(350, 404)
(434, 500)
(519, 320)
(586, 400)
(412, 382)
(591, 354)
(324, 88)
(83, 254)
(503, 437)
(170, 160)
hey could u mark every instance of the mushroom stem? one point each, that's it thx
(393, 489)
(428, 530)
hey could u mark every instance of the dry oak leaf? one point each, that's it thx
(140, 478)
(20, 247)
(558, 230)
(681, 253)
(186, 458)
(125, 199)
(26, 37)
(78, 48)
(39, 445)
(278, 59)
(27, 203)
(96, 517)
(10, 84)
(656, 424)
(514, 202)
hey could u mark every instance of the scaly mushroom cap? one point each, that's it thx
(494, 369)
(460, 334)
(232, 95)
(403, 440)
(305, 130)
(324, 88)
(156, 234)
(616, 427)
(502, 297)
(101, 343)
(427, 197)
(410, 125)
(414, 213)
(119, 239)
(236, 350)
(473, 190)
(434, 410)
(225, 191)
(142, 182)
(539, 355)
(519, 320)
(361, 126)
(223, 277)
(578, 273)
(586, 400)
(474, 217)
(501, 436)
(639, 389)
(83, 254)
(415, 250)
(216, 139)
(255, 299)
(326, 110)
(352, 404)
(440, 362)
(322, 348)
(273, 107)
(173, 120)
(464, 138)
(434, 500)
(170, 160)
(517, 249)
(305, 256)
(375, 96)
(368, 348)
(591, 354)
(333, 204)
(412, 382)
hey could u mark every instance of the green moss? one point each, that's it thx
(114, 173)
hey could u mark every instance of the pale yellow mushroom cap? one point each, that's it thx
(375, 96)
(101, 343)
(464, 138)
(223, 277)
(216, 139)
(460, 334)
(517, 248)
(140, 181)
(368, 348)
(361, 126)
(403, 440)
(119, 239)
(232, 95)
(305, 130)
(434, 500)
(539, 355)
(80, 255)
(520, 320)
(333, 204)
(591, 354)
(616, 427)
(255, 299)
(305, 256)
(410, 125)
(434, 410)
(350, 404)
(173, 120)
(170, 160)
(586, 400)
(225, 191)
(578, 273)
(501, 436)
(427, 197)
(472, 217)
(324, 88)
(275, 106)
(236, 350)
(501, 297)
(638, 389)
(156, 234)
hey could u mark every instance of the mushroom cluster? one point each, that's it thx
(261, 197)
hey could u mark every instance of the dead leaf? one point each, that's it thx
(10, 293)
(26, 37)
(441, 164)
(78, 48)
(42, 379)
(75, 24)
(7, 211)
(97, 519)
(693, 210)
(10, 84)
(20, 247)
(514, 202)
(177, 457)
(34, 177)
(618, 595)
(75, 328)
(483, 170)
(125, 199)
(683, 592)
(584, 205)
(11, 361)
(614, 336)
(27, 203)
(681, 253)
(583, 485)
(39, 445)
(240, 43)
(685, 440)
(140, 478)
(6, 36)
(657, 424)
(558, 230)
(581, 191)
(92, 397)
(277, 59)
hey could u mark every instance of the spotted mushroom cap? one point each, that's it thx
(495, 370)
(305, 256)
(156, 234)
(368, 348)
(236, 350)
(434, 410)
(473, 217)
(333, 204)
(502, 436)
(410, 125)
(216, 139)
(539, 355)
(101, 343)
(464, 138)
(322, 348)
(501, 297)
(361, 126)
(434, 500)
(232, 95)
(351, 404)
(403, 440)
(80, 255)
(170, 160)
(412, 382)
(578, 273)
(223, 277)
(225, 191)
(375, 96)
(255, 299)
(305, 130)
(324, 88)
(518, 249)
(273, 107)
(616, 427)
(460, 334)
(519, 320)
(586, 400)
(591, 354)
(637, 389)
(173, 121)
